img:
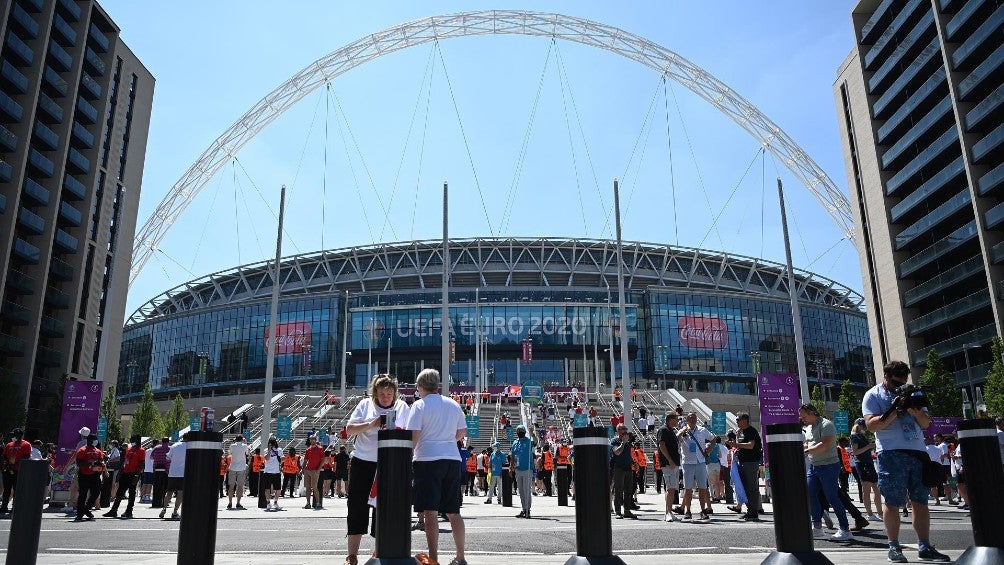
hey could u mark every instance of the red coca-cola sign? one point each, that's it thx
(292, 337)
(703, 332)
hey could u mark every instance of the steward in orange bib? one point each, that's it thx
(547, 470)
(257, 463)
(224, 467)
(657, 467)
(290, 469)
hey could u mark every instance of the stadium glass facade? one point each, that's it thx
(683, 336)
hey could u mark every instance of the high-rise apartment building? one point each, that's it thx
(74, 116)
(921, 112)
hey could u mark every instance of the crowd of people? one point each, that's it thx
(886, 453)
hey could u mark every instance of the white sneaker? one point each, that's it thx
(874, 518)
(842, 535)
(818, 533)
(670, 517)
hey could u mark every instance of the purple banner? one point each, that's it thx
(81, 404)
(779, 401)
(944, 425)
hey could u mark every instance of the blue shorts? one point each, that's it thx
(695, 472)
(900, 476)
(437, 486)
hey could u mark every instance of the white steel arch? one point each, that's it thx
(512, 22)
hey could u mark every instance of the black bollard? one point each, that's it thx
(393, 515)
(26, 521)
(506, 487)
(197, 535)
(981, 458)
(593, 533)
(792, 522)
(562, 475)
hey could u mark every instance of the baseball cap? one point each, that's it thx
(521, 427)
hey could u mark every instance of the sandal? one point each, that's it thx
(351, 560)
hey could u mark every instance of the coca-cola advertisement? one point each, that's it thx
(703, 332)
(292, 336)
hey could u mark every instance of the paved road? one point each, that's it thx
(493, 536)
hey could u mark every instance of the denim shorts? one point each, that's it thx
(900, 476)
(695, 472)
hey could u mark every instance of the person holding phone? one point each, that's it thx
(370, 416)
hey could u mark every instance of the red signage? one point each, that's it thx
(528, 351)
(292, 337)
(703, 332)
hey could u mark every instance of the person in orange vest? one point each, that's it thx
(642, 461)
(845, 461)
(328, 473)
(257, 463)
(224, 468)
(657, 467)
(547, 469)
(290, 468)
(485, 396)
(562, 459)
(472, 475)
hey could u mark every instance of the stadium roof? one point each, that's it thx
(497, 262)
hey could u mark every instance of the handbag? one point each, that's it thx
(932, 473)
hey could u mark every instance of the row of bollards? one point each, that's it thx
(594, 536)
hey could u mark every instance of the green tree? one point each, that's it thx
(12, 414)
(993, 391)
(849, 401)
(110, 411)
(177, 417)
(146, 421)
(817, 400)
(942, 392)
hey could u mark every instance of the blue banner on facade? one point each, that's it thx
(473, 426)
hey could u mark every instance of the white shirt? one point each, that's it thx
(272, 461)
(643, 423)
(177, 458)
(148, 464)
(693, 444)
(934, 452)
(438, 419)
(35, 454)
(368, 410)
(651, 421)
(238, 456)
(723, 456)
(947, 459)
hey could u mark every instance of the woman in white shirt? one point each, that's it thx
(370, 416)
(270, 480)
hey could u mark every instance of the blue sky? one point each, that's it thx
(391, 127)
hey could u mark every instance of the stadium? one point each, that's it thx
(697, 320)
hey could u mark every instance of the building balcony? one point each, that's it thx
(20, 283)
(65, 241)
(26, 251)
(86, 112)
(98, 39)
(46, 136)
(988, 31)
(11, 345)
(956, 344)
(97, 65)
(35, 6)
(92, 90)
(14, 313)
(56, 298)
(49, 109)
(54, 81)
(6, 171)
(8, 141)
(48, 356)
(36, 192)
(59, 56)
(19, 49)
(991, 180)
(69, 215)
(74, 188)
(961, 202)
(13, 77)
(51, 327)
(64, 30)
(41, 163)
(949, 312)
(989, 144)
(70, 9)
(81, 134)
(954, 171)
(10, 108)
(946, 244)
(24, 20)
(80, 163)
(30, 221)
(976, 82)
(60, 270)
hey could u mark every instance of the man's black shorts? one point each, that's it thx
(437, 486)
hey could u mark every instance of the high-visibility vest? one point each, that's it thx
(486, 463)
(548, 461)
(562, 455)
(845, 459)
(642, 458)
(290, 465)
(472, 464)
(224, 464)
(656, 464)
(257, 462)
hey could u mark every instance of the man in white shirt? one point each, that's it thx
(437, 424)
(175, 477)
(238, 471)
(695, 444)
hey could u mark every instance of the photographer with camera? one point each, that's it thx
(695, 443)
(896, 413)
